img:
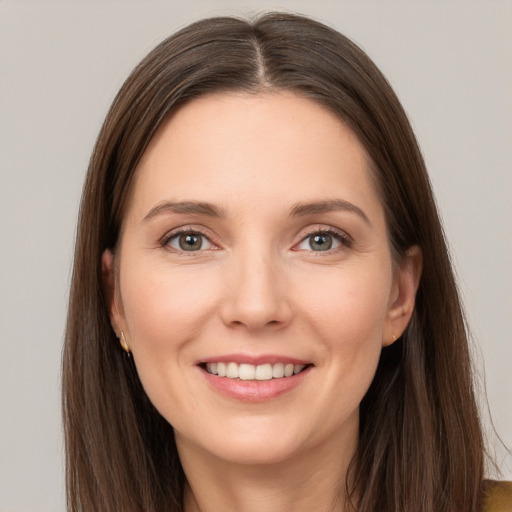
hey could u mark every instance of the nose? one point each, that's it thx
(255, 295)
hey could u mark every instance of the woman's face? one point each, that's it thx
(255, 244)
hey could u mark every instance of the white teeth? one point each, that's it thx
(246, 371)
(232, 371)
(221, 369)
(278, 370)
(298, 368)
(264, 372)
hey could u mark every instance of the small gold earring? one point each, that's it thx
(124, 344)
(394, 338)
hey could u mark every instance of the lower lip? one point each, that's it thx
(255, 390)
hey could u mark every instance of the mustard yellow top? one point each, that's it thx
(497, 496)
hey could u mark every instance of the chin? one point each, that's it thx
(268, 440)
(256, 451)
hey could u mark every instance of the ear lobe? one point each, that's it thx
(109, 287)
(406, 285)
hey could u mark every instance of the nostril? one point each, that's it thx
(271, 323)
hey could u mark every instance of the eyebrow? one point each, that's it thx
(332, 205)
(194, 207)
(210, 210)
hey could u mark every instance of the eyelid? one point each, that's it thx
(342, 236)
(187, 229)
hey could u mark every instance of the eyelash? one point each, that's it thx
(344, 239)
(184, 231)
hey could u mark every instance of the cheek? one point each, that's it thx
(165, 312)
(349, 319)
(352, 305)
(164, 309)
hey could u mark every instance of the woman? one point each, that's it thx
(263, 313)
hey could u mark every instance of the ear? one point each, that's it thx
(109, 289)
(403, 295)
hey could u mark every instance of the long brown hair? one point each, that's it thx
(420, 446)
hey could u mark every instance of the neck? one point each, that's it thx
(313, 480)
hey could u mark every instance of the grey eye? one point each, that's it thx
(189, 242)
(320, 242)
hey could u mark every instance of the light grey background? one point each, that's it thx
(61, 65)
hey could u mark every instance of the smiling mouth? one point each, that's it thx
(261, 372)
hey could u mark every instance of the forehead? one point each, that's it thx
(236, 147)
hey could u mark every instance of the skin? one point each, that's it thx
(258, 286)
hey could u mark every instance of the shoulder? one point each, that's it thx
(496, 496)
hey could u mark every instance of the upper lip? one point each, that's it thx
(253, 359)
